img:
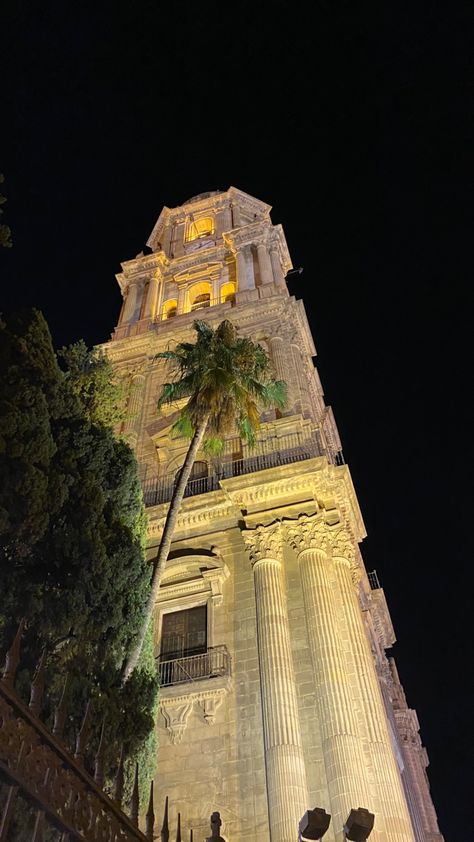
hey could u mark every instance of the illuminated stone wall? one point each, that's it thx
(309, 713)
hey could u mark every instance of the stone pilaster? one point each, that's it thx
(343, 748)
(243, 277)
(152, 298)
(130, 309)
(392, 800)
(286, 774)
(266, 272)
(132, 423)
(276, 266)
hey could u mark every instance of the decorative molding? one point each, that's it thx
(176, 718)
(177, 702)
(307, 533)
(263, 542)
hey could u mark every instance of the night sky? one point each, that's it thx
(354, 125)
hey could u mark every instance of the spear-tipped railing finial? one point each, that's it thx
(150, 816)
(135, 802)
(118, 789)
(83, 734)
(99, 758)
(37, 686)
(165, 831)
(12, 658)
(61, 711)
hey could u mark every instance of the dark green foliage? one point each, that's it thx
(92, 379)
(72, 529)
(226, 378)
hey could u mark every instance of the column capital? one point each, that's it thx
(263, 542)
(311, 532)
(308, 532)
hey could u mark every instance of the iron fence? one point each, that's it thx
(214, 662)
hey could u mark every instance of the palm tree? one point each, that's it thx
(226, 380)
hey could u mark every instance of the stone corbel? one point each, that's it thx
(215, 578)
(209, 707)
(176, 718)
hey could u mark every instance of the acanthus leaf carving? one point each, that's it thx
(263, 542)
(308, 532)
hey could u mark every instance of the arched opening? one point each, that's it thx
(198, 481)
(170, 308)
(198, 228)
(199, 296)
(228, 293)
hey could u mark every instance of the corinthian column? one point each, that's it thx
(131, 302)
(286, 775)
(393, 805)
(342, 744)
(276, 266)
(266, 272)
(132, 423)
(244, 281)
(152, 298)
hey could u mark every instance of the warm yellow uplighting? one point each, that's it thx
(199, 296)
(203, 227)
(228, 292)
(169, 308)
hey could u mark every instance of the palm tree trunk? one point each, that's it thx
(165, 544)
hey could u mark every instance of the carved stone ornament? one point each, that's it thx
(308, 533)
(176, 709)
(263, 542)
(176, 718)
(209, 708)
(342, 544)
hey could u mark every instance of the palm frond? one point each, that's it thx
(213, 445)
(183, 426)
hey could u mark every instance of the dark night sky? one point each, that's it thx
(354, 125)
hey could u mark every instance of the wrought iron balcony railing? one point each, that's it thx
(283, 450)
(214, 662)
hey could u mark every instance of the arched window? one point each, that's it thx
(198, 228)
(170, 308)
(228, 293)
(200, 296)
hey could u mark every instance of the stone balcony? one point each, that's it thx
(276, 451)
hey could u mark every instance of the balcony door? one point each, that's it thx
(184, 633)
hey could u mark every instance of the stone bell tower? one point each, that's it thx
(276, 693)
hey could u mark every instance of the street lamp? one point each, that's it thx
(359, 825)
(314, 824)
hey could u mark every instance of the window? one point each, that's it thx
(200, 296)
(170, 308)
(184, 633)
(228, 293)
(198, 228)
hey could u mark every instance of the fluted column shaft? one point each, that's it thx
(286, 775)
(277, 267)
(132, 422)
(343, 749)
(243, 277)
(393, 804)
(266, 272)
(152, 298)
(131, 302)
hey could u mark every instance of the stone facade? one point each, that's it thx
(289, 701)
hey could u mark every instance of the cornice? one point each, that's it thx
(248, 235)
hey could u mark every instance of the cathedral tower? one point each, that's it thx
(276, 693)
